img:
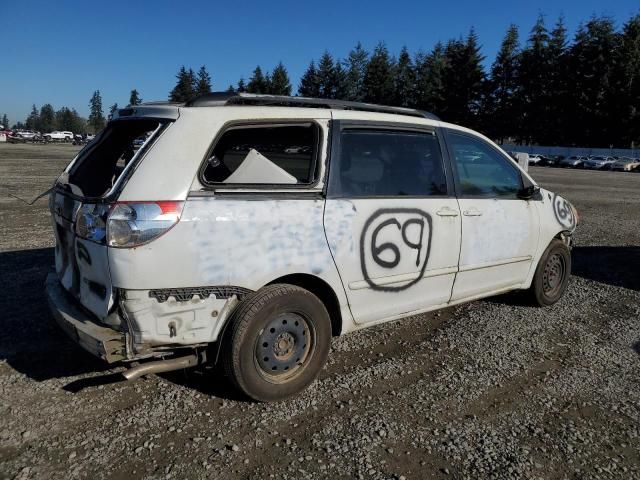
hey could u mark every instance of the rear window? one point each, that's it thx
(100, 163)
(283, 154)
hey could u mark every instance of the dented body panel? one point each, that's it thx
(382, 258)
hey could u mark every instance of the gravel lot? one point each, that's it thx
(493, 389)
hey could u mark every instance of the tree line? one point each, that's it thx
(545, 90)
(46, 118)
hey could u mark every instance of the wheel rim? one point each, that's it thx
(554, 273)
(284, 347)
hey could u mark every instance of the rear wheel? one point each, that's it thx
(277, 342)
(552, 274)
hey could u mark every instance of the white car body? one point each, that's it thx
(626, 164)
(58, 135)
(372, 259)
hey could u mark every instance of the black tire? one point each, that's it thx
(552, 274)
(277, 342)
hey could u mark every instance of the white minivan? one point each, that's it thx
(250, 229)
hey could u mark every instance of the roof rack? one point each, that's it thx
(217, 99)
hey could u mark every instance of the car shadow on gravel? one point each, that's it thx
(30, 341)
(615, 266)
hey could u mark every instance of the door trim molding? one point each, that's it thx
(478, 266)
(402, 278)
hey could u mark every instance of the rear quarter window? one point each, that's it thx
(272, 154)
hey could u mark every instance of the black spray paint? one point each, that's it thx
(563, 212)
(409, 246)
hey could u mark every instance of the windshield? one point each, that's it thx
(99, 165)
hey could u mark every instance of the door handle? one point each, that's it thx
(447, 212)
(472, 212)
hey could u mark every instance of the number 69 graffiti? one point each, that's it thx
(563, 212)
(393, 242)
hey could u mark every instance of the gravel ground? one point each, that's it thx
(492, 389)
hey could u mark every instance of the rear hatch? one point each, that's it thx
(81, 200)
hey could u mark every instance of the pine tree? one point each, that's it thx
(340, 82)
(378, 79)
(33, 120)
(185, 86)
(257, 82)
(96, 116)
(405, 81)
(355, 66)
(47, 118)
(326, 76)
(309, 82)
(464, 82)
(5, 120)
(113, 108)
(502, 114)
(629, 73)
(558, 111)
(203, 82)
(593, 58)
(241, 86)
(534, 91)
(134, 98)
(231, 89)
(280, 84)
(430, 71)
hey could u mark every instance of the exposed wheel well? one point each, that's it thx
(320, 289)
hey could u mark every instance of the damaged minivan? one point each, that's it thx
(248, 230)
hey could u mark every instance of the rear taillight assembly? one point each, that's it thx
(129, 224)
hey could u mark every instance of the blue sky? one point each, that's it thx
(60, 52)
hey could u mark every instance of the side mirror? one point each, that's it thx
(527, 193)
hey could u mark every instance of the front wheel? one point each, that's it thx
(552, 274)
(277, 342)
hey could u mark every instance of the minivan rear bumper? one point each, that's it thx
(103, 342)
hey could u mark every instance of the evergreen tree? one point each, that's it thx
(309, 82)
(257, 83)
(463, 82)
(203, 82)
(185, 86)
(629, 74)
(405, 81)
(340, 83)
(231, 89)
(134, 98)
(241, 86)
(47, 118)
(593, 59)
(430, 72)
(379, 77)
(534, 83)
(5, 120)
(502, 112)
(113, 108)
(33, 120)
(326, 76)
(280, 84)
(96, 116)
(355, 66)
(558, 110)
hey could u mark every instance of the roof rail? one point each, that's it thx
(217, 99)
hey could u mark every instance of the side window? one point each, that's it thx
(389, 163)
(481, 170)
(264, 154)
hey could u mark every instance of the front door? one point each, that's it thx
(499, 230)
(392, 223)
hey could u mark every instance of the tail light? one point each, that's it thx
(126, 225)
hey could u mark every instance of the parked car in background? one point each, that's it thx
(551, 161)
(597, 162)
(626, 164)
(574, 161)
(535, 159)
(58, 136)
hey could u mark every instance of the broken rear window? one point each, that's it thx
(264, 154)
(101, 163)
